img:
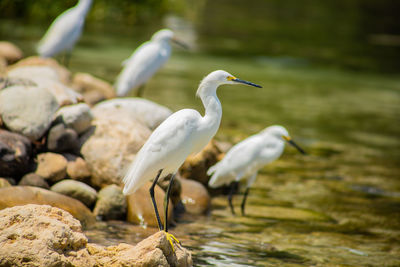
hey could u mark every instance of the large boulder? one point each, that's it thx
(195, 197)
(23, 195)
(111, 146)
(77, 117)
(40, 235)
(10, 52)
(15, 154)
(78, 190)
(51, 166)
(149, 113)
(195, 167)
(27, 110)
(111, 203)
(93, 89)
(140, 207)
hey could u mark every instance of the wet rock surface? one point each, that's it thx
(111, 203)
(195, 197)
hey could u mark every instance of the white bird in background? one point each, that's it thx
(183, 133)
(245, 158)
(65, 31)
(144, 62)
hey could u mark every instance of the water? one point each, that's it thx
(338, 206)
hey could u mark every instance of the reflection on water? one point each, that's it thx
(339, 205)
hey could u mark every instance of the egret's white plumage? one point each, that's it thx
(65, 30)
(183, 133)
(144, 62)
(245, 158)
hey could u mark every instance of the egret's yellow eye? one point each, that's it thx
(287, 138)
(230, 78)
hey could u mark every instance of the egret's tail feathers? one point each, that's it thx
(212, 169)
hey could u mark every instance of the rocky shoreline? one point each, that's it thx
(65, 141)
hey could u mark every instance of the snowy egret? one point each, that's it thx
(245, 158)
(183, 133)
(65, 31)
(145, 61)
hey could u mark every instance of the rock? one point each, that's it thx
(10, 52)
(22, 195)
(27, 110)
(77, 190)
(15, 154)
(111, 203)
(195, 167)
(62, 73)
(93, 89)
(52, 167)
(3, 68)
(10, 81)
(149, 113)
(77, 117)
(77, 169)
(140, 207)
(111, 147)
(40, 235)
(65, 96)
(61, 139)
(4, 183)
(33, 179)
(195, 197)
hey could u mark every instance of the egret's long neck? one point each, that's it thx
(84, 6)
(213, 110)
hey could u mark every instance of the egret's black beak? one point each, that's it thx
(246, 82)
(180, 43)
(291, 142)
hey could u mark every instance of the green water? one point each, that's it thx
(337, 206)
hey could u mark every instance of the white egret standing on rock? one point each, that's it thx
(245, 158)
(144, 62)
(183, 133)
(65, 31)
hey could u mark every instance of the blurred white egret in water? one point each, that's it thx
(245, 158)
(65, 31)
(144, 62)
(183, 133)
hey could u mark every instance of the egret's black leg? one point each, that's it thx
(230, 196)
(244, 199)
(166, 202)
(140, 91)
(160, 226)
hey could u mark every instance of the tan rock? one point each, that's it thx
(4, 183)
(195, 197)
(40, 235)
(77, 169)
(10, 52)
(78, 190)
(22, 195)
(51, 166)
(195, 167)
(140, 207)
(86, 84)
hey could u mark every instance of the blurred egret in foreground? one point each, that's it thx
(65, 31)
(183, 133)
(245, 158)
(144, 62)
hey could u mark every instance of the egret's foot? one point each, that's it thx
(171, 237)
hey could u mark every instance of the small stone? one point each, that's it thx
(33, 179)
(62, 139)
(10, 52)
(4, 183)
(78, 190)
(195, 197)
(77, 169)
(77, 117)
(111, 203)
(93, 89)
(52, 167)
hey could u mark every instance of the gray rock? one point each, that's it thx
(149, 113)
(111, 146)
(27, 110)
(52, 167)
(15, 154)
(62, 139)
(78, 190)
(111, 203)
(33, 179)
(77, 117)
